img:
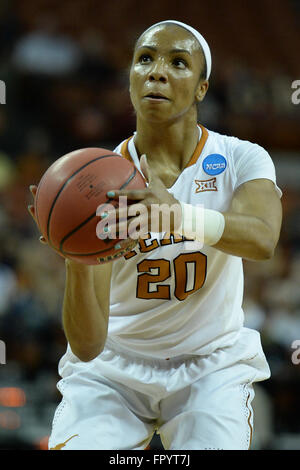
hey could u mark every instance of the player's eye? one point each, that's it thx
(180, 63)
(144, 58)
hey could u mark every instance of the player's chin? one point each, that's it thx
(157, 116)
(159, 108)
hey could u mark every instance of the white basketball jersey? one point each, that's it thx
(168, 297)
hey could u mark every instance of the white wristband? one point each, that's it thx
(203, 225)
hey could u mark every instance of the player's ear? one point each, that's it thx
(201, 90)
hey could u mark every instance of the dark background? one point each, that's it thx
(65, 66)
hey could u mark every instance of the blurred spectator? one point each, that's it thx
(46, 51)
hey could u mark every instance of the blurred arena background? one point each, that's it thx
(65, 69)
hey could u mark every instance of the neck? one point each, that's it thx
(165, 142)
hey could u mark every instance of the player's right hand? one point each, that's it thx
(33, 190)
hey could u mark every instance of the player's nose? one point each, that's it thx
(158, 73)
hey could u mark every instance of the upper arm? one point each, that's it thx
(259, 198)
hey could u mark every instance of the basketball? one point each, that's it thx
(68, 196)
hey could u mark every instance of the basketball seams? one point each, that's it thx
(66, 253)
(66, 183)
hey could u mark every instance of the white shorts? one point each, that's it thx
(118, 400)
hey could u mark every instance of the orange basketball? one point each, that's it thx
(68, 196)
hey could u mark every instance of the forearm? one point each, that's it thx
(85, 318)
(246, 236)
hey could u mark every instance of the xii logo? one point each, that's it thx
(206, 185)
(2, 92)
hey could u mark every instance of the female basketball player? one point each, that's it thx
(174, 355)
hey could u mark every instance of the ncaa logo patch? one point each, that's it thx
(214, 164)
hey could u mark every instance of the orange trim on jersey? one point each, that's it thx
(197, 152)
(199, 148)
(124, 150)
(249, 420)
(60, 446)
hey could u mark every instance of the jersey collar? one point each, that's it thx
(197, 152)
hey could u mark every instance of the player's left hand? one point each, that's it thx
(137, 217)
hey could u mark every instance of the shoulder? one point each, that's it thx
(240, 154)
(246, 160)
(234, 144)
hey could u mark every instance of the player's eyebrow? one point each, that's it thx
(180, 50)
(172, 51)
(147, 47)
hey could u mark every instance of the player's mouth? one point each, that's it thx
(156, 97)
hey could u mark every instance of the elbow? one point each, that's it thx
(86, 357)
(266, 243)
(267, 254)
(87, 354)
(266, 249)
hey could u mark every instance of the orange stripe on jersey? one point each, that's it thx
(199, 148)
(124, 149)
(62, 444)
(249, 421)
